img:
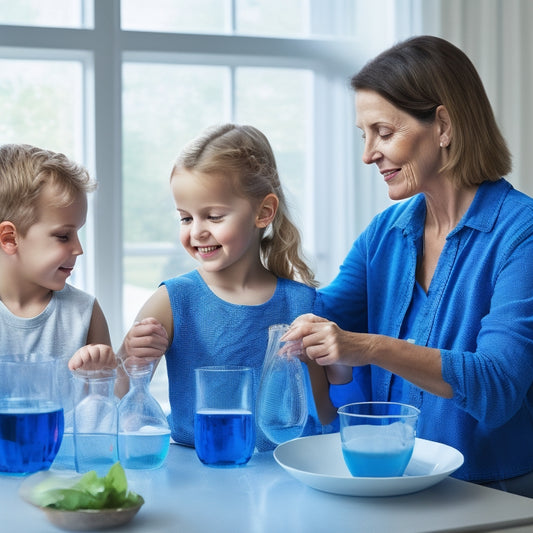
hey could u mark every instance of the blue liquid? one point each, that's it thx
(282, 433)
(30, 436)
(380, 464)
(143, 450)
(224, 438)
(65, 458)
(95, 451)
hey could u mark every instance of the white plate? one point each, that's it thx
(317, 461)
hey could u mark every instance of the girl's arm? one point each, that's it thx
(149, 337)
(319, 382)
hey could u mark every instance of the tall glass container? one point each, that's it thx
(95, 420)
(144, 433)
(281, 408)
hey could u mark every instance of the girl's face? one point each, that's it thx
(406, 151)
(47, 253)
(218, 228)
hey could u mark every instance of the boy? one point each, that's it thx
(43, 205)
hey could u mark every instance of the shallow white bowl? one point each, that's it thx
(318, 462)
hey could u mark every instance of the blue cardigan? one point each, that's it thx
(478, 312)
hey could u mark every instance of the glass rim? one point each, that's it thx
(223, 368)
(275, 327)
(415, 412)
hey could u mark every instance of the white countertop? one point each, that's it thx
(185, 496)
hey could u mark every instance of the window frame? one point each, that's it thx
(103, 47)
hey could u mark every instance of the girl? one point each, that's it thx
(235, 223)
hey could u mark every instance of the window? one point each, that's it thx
(121, 85)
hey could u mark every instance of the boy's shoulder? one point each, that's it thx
(73, 294)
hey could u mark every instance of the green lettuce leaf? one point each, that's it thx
(90, 492)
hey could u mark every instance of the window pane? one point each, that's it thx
(56, 13)
(192, 16)
(164, 106)
(41, 103)
(278, 102)
(272, 17)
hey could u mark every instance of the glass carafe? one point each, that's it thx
(95, 420)
(281, 408)
(144, 433)
(31, 413)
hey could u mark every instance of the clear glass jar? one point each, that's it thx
(95, 420)
(281, 407)
(144, 433)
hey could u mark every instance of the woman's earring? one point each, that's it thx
(442, 144)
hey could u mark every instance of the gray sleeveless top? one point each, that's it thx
(58, 331)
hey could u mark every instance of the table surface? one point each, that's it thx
(187, 497)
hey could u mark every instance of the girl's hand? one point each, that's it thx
(146, 339)
(93, 357)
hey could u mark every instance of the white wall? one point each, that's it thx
(497, 36)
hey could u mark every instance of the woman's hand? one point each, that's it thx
(93, 357)
(323, 341)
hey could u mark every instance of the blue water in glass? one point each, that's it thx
(283, 433)
(65, 458)
(142, 450)
(30, 436)
(224, 438)
(95, 451)
(377, 464)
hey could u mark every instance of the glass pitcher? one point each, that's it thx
(281, 408)
(95, 420)
(31, 413)
(144, 433)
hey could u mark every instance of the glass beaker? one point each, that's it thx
(65, 458)
(31, 413)
(144, 433)
(281, 408)
(224, 427)
(95, 420)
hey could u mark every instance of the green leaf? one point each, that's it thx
(90, 492)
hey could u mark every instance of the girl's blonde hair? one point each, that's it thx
(24, 170)
(243, 154)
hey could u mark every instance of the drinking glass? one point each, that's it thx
(31, 413)
(95, 420)
(377, 437)
(224, 425)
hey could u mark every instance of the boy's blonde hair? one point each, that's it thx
(243, 154)
(24, 170)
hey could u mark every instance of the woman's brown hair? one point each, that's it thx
(421, 73)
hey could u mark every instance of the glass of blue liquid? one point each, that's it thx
(95, 420)
(377, 437)
(224, 425)
(31, 413)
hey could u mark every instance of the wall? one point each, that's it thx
(496, 36)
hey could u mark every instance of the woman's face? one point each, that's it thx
(406, 151)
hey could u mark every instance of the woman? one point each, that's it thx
(433, 305)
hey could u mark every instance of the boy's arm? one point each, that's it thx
(98, 330)
(97, 353)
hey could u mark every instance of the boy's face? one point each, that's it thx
(48, 251)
